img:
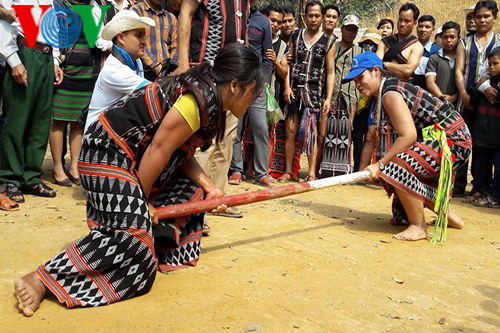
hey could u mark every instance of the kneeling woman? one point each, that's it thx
(433, 141)
(137, 156)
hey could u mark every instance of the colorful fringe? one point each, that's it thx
(437, 133)
(308, 131)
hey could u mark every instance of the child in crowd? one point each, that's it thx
(486, 138)
(440, 71)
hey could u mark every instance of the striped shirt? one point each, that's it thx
(161, 40)
(343, 64)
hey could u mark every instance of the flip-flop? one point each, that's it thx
(230, 212)
(285, 178)
(7, 204)
(235, 179)
(206, 229)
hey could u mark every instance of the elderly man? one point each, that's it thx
(27, 105)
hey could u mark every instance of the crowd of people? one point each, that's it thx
(170, 106)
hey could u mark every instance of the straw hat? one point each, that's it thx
(372, 34)
(125, 20)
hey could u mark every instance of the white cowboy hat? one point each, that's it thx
(125, 20)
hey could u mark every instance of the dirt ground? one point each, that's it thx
(323, 261)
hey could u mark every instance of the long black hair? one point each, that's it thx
(234, 62)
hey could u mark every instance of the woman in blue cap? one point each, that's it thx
(432, 142)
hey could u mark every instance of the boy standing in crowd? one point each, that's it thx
(440, 72)
(425, 28)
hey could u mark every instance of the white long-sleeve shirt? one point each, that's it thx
(10, 32)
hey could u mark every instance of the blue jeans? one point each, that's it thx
(258, 123)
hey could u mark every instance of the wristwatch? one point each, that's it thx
(381, 165)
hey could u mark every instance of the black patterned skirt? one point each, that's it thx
(416, 170)
(119, 258)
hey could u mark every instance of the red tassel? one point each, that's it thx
(448, 141)
(453, 157)
(436, 126)
(440, 154)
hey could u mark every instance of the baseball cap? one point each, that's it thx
(362, 62)
(351, 20)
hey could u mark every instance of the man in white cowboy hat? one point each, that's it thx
(122, 72)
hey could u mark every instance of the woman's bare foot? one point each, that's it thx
(412, 233)
(454, 221)
(29, 291)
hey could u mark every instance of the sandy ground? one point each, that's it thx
(323, 261)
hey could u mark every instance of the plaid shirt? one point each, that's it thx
(161, 40)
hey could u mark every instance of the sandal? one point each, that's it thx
(206, 229)
(285, 178)
(13, 191)
(310, 178)
(235, 179)
(41, 190)
(472, 198)
(266, 181)
(487, 201)
(230, 212)
(8, 204)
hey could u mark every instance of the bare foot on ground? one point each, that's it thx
(29, 291)
(453, 221)
(412, 233)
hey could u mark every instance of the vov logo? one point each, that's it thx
(60, 26)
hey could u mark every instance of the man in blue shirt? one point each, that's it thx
(425, 28)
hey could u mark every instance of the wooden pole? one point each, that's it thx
(256, 196)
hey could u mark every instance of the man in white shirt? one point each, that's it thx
(122, 72)
(28, 89)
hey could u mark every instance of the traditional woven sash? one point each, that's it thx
(396, 47)
(436, 133)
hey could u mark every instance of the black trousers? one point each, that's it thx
(359, 129)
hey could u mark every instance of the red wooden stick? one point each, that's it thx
(256, 196)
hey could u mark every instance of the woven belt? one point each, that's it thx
(47, 49)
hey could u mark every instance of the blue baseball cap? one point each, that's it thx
(362, 62)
